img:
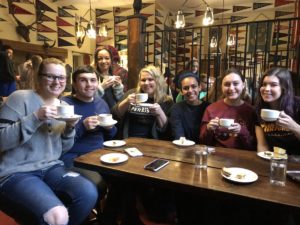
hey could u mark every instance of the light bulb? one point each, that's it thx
(213, 42)
(103, 30)
(91, 32)
(180, 21)
(208, 17)
(231, 40)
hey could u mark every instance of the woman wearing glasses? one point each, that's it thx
(33, 180)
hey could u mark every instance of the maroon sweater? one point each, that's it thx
(243, 114)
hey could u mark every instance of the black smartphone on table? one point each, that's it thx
(156, 164)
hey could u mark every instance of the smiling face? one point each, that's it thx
(86, 85)
(147, 83)
(270, 90)
(103, 60)
(232, 87)
(190, 90)
(52, 80)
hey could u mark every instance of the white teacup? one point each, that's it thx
(65, 110)
(269, 114)
(105, 118)
(224, 122)
(141, 97)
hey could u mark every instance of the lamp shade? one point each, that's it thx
(90, 30)
(180, 21)
(208, 17)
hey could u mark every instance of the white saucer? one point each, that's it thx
(114, 143)
(113, 122)
(184, 143)
(68, 118)
(248, 175)
(265, 155)
(114, 158)
(145, 104)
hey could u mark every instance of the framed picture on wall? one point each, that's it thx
(262, 37)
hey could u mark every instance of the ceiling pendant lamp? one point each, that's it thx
(231, 40)
(208, 17)
(213, 42)
(103, 31)
(180, 21)
(90, 30)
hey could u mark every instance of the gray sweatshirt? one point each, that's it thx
(26, 143)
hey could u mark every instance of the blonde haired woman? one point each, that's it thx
(145, 120)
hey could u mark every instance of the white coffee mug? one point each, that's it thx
(224, 122)
(65, 110)
(269, 114)
(105, 118)
(141, 97)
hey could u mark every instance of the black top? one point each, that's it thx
(185, 120)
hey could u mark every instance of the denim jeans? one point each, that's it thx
(38, 191)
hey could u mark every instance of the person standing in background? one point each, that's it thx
(117, 69)
(8, 75)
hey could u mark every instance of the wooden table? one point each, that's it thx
(181, 174)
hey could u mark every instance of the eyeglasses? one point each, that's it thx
(52, 77)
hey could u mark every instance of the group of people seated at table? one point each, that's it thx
(37, 175)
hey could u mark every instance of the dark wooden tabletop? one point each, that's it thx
(180, 173)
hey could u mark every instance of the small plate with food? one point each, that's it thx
(114, 158)
(114, 143)
(265, 154)
(183, 142)
(239, 175)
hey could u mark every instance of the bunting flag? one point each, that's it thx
(84, 20)
(158, 6)
(282, 2)
(240, 8)
(43, 28)
(101, 12)
(277, 58)
(69, 7)
(42, 6)
(280, 28)
(119, 38)
(62, 42)
(18, 10)
(119, 19)
(187, 24)
(188, 14)
(100, 20)
(158, 14)
(157, 52)
(119, 10)
(24, 1)
(181, 50)
(157, 21)
(217, 11)
(157, 28)
(149, 24)
(62, 23)
(121, 47)
(282, 13)
(45, 18)
(157, 37)
(1, 20)
(100, 39)
(237, 18)
(2, 6)
(43, 38)
(63, 13)
(279, 42)
(120, 28)
(199, 13)
(157, 45)
(279, 35)
(145, 5)
(260, 5)
(146, 14)
(63, 33)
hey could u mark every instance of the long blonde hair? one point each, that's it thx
(160, 92)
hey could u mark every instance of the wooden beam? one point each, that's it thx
(37, 49)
